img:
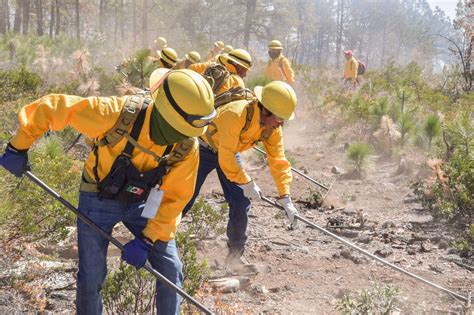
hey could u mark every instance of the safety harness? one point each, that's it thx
(125, 182)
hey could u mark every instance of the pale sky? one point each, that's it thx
(448, 6)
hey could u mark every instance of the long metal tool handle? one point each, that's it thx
(298, 172)
(463, 298)
(114, 241)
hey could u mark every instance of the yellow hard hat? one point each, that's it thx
(219, 44)
(228, 48)
(193, 57)
(184, 99)
(279, 98)
(161, 41)
(169, 55)
(275, 44)
(238, 56)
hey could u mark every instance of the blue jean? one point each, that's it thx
(93, 254)
(239, 205)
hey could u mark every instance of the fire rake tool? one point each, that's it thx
(298, 172)
(114, 241)
(434, 285)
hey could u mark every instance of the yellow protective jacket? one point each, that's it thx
(350, 69)
(279, 69)
(225, 135)
(233, 80)
(93, 117)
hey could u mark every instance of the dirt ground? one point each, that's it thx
(303, 271)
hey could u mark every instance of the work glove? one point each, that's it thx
(251, 190)
(290, 209)
(15, 161)
(135, 252)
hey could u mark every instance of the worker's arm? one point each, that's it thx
(354, 68)
(288, 71)
(229, 127)
(279, 165)
(178, 186)
(91, 116)
(200, 67)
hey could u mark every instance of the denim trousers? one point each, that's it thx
(93, 254)
(239, 205)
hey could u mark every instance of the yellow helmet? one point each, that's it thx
(168, 55)
(193, 57)
(275, 44)
(279, 98)
(161, 42)
(238, 56)
(184, 99)
(228, 49)
(219, 44)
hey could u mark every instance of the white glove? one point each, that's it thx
(290, 209)
(251, 190)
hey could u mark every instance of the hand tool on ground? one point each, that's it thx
(297, 172)
(434, 285)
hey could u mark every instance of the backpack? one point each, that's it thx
(234, 94)
(216, 75)
(361, 68)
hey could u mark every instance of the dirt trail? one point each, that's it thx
(304, 271)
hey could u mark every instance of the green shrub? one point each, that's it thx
(18, 83)
(139, 68)
(378, 299)
(27, 211)
(431, 128)
(358, 153)
(405, 125)
(254, 81)
(205, 219)
(129, 291)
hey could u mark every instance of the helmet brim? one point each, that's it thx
(227, 58)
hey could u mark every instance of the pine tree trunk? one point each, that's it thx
(145, 23)
(102, 5)
(17, 21)
(26, 16)
(3, 19)
(340, 26)
(39, 17)
(7, 15)
(122, 21)
(52, 19)
(58, 19)
(78, 21)
(251, 5)
(134, 19)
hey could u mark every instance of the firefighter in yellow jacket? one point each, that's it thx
(278, 67)
(239, 125)
(118, 176)
(190, 58)
(237, 63)
(350, 68)
(216, 50)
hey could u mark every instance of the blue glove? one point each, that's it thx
(15, 161)
(135, 252)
